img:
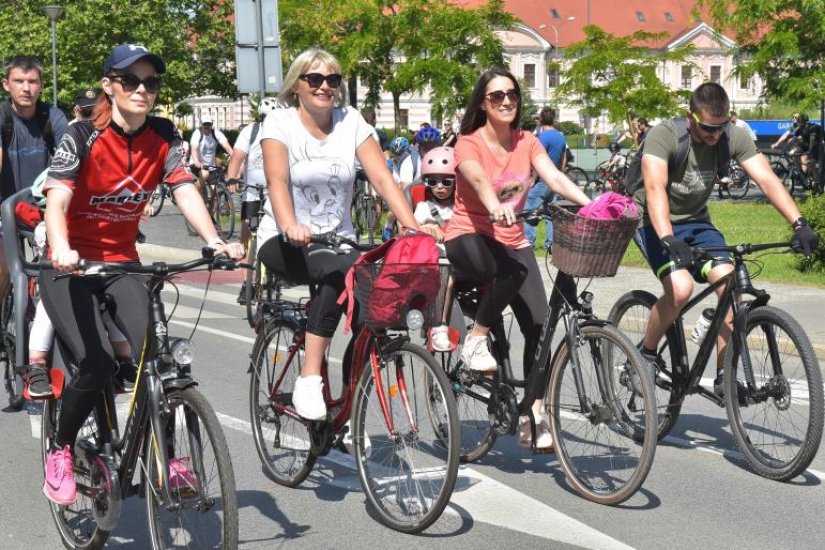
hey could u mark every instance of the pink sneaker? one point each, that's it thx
(60, 486)
(180, 476)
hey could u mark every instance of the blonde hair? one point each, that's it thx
(301, 65)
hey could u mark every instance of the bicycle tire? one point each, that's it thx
(772, 451)
(223, 213)
(371, 220)
(76, 523)
(579, 177)
(392, 465)
(273, 371)
(614, 426)
(195, 438)
(740, 183)
(252, 282)
(157, 199)
(12, 381)
(630, 314)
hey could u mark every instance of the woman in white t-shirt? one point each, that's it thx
(309, 152)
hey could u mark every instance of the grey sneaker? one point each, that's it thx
(37, 377)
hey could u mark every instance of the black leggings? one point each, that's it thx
(73, 305)
(514, 279)
(312, 265)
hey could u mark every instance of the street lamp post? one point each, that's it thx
(54, 13)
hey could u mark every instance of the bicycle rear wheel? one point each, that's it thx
(204, 511)
(630, 315)
(77, 523)
(252, 282)
(281, 437)
(407, 462)
(739, 184)
(224, 213)
(579, 177)
(12, 381)
(779, 428)
(605, 430)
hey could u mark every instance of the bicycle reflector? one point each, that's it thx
(183, 350)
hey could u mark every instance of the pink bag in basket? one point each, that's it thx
(610, 206)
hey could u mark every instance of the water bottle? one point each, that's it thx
(702, 324)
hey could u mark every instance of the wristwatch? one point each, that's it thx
(801, 221)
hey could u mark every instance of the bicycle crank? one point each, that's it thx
(506, 410)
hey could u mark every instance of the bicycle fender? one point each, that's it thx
(595, 323)
(178, 384)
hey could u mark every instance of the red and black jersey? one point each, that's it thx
(111, 176)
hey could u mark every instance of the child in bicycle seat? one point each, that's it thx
(433, 213)
(616, 162)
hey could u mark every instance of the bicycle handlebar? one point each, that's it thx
(740, 249)
(334, 240)
(546, 209)
(158, 269)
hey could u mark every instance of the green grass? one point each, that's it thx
(746, 222)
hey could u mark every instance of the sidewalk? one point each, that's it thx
(805, 304)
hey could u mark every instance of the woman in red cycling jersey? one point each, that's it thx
(494, 158)
(99, 182)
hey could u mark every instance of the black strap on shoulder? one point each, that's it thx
(6, 123)
(254, 134)
(45, 125)
(437, 217)
(680, 156)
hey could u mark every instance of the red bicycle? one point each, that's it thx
(396, 405)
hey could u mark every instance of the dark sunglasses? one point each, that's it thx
(497, 98)
(316, 79)
(445, 182)
(86, 112)
(131, 83)
(709, 128)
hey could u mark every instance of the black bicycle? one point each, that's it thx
(172, 450)
(218, 202)
(601, 400)
(789, 169)
(364, 208)
(773, 384)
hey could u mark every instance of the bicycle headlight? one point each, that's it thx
(415, 319)
(183, 350)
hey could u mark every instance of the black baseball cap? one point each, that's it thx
(126, 54)
(86, 98)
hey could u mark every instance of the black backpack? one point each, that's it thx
(633, 179)
(7, 125)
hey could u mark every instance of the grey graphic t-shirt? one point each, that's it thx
(689, 190)
(321, 172)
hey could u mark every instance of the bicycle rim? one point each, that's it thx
(409, 472)
(224, 214)
(12, 381)
(779, 433)
(252, 284)
(205, 510)
(606, 445)
(630, 315)
(281, 439)
(76, 523)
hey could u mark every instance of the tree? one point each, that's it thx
(194, 37)
(618, 74)
(781, 41)
(402, 46)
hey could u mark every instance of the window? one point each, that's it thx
(640, 17)
(687, 76)
(668, 17)
(530, 75)
(716, 73)
(404, 118)
(554, 13)
(552, 78)
(744, 82)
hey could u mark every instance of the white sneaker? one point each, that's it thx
(476, 355)
(308, 399)
(544, 440)
(348, 442)
(440, 338)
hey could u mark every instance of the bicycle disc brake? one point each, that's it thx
(506, 410)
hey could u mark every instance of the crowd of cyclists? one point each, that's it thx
(307, 150)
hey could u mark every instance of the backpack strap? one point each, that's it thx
(255, 127)
(6, 123)
(436, 216)
(680, 156)
(46, 129)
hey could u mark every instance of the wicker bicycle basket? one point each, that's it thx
(387, 292)
(588, 247)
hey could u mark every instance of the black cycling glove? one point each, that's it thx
(679, 251)
(805, 240)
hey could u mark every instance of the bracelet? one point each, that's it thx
(214, 242)
(801, 221)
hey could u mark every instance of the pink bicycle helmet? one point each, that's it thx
(440, 160)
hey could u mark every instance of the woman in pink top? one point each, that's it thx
(494, 158)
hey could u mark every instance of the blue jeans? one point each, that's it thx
(535, 196)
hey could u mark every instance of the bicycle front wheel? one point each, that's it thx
(630, 314)
(252, 282)
(739, 184)
(778, 425)
(579, 177)
(12, 381)
(224, 213)
(281, 437)
(204, 511)
(406, 459)
(603, 417)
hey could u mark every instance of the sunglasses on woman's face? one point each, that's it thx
(497, 98)
(316, 79)
(444, 182)
(130, 83)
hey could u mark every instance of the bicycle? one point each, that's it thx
(770, 369)
(258, 284)
(579, 177)
(396, 400)
(737, 185)
(218, 202)
(789, 170)
(364, 208)
(601, 400)
(172, 442)
(158, 198)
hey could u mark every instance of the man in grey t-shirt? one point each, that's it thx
(675, 215)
